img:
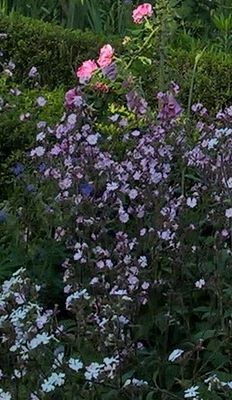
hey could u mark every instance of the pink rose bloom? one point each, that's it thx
(86, 70)
(106, 54)
(144, 10)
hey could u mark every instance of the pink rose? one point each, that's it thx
(144, 10)
(86, 70)
(106, 54)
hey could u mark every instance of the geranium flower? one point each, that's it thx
(142, 11)
(106, 55)
(86, 70)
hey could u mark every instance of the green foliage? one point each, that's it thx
(101, 16)
(213, 77)
(57, 52)
(17, 136)
(53, 50)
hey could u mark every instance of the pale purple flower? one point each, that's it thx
(40, 136)
(133, 194)
(41, 101)
(33, 72)
(191, 202)
(228, 213)
(92, 139)
(38, 151)
(136, 103)
(170, 108)
(73, 98)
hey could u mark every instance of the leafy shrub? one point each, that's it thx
(52, 49)
(56, 52)
(19, 116)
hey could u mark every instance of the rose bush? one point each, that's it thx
(139, 196)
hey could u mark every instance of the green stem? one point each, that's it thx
(197, 59)
(142, 48)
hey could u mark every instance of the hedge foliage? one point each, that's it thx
(56, 52)
(16, 136)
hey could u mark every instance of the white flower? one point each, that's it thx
(40, 136)
(47, 386)
(191, 202)
(142, 261)
(33, 397)
(175, 354)
(228, 183)
(228, 213)
(75, 364)
(93, 371)
(212, 143)
(76, 296)
(39, 339)
(199, 284)
(191, 392)
(59, 360)
(135, 382)
(56, 379)
(5, 395)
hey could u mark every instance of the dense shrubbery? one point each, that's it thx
(56, 52)
(52, 49)
(18, 123)
(134, 200)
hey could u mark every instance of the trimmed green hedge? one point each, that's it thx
(213, 80)
(55, 51)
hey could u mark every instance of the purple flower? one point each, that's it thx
(41, 101)
(17, 169)
(174, 87)
(136, 103)
(73, 98)
(86, 189)
(30, 188)
(33, 72)
(170, 108)
(41, 167)
(3, 216)
(110, 71)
